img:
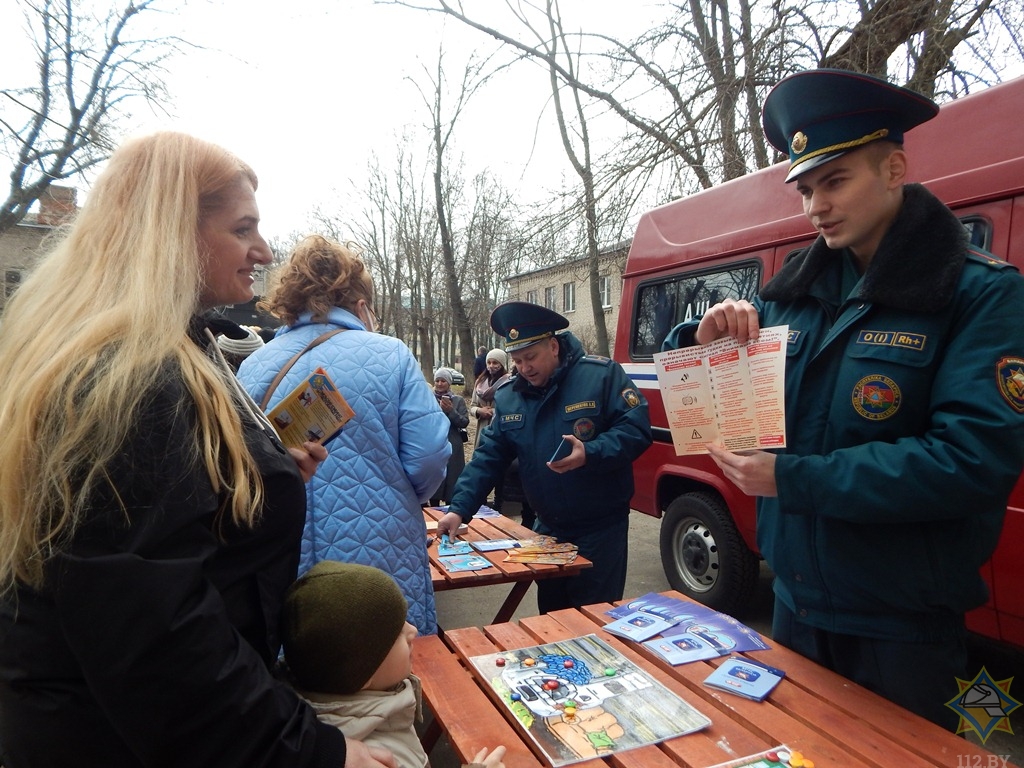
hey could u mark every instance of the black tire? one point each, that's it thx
(704, 556)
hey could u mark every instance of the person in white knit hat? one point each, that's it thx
(236, 350)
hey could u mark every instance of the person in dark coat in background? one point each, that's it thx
(454, 407)
(905, 418)
(149, 517)
(479, 362)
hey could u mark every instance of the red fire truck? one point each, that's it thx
(726, 242)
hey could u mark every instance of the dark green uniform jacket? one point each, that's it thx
(589, 397)
(905, 424)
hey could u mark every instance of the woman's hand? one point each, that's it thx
(308, 457)
(484, 413)
(492, 760)
(358, 755)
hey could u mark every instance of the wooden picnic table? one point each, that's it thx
(519, 575)
(827, 718)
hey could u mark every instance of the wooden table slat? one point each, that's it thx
(767, 723)
(464, 711)
(500, 572)
(831, 720)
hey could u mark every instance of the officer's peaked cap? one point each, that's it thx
(821, 114)
(523, 323)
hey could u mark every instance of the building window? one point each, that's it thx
(568, 297)
(549, 298)
(606, 291)
(531, 296)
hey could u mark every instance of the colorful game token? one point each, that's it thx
(568, 664)
(609, 672)
(515, 697)
(529, 662)
(500, 661)
(784, 756)
(772, 755)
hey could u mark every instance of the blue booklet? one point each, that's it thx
(745, 678)
(446, 547)
(464, 563)
(716, 629)
(638, 626)
(682, 648)
(493, 545)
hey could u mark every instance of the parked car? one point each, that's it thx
(458, 380)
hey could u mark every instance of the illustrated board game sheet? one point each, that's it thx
(580, 699)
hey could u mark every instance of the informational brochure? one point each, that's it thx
(494, 545)
(464, 563)
(744, 677)
(727, 393)
(682, 648)
(446, 547)
(638, 626)
(314, 411)
(695, 632)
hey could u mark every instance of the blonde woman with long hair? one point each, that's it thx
(149, 520)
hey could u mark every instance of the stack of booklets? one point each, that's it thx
(685, 631)
(543, 549)
(458, 556)
(744, 677)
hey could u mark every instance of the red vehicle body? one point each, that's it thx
(726, 242)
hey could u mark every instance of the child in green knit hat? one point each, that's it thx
(348, 648)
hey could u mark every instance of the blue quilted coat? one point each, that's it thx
(364, 500)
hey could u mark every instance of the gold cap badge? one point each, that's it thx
(513, 334)
(799, 142)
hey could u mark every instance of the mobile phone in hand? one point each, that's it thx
(562, 451)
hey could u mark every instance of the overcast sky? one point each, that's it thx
(307, 90)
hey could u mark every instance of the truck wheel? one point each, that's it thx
(704, 556)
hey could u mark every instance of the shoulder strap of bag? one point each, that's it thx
(287, 366)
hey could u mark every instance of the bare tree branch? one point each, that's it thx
(65, 123)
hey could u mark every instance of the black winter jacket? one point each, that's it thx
(152, 642)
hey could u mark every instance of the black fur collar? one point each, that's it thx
(916, 268)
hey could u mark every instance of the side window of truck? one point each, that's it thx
(664, 303)
(979, 230)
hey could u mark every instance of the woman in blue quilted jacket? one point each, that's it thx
(364, 503)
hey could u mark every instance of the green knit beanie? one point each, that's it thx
(339, 623)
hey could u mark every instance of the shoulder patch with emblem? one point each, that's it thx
(1010, 380)
(631, 396)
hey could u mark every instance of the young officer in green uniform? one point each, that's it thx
(557, 392)
(904, 406)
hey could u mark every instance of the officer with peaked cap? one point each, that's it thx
(905, 432)
(560, 392)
